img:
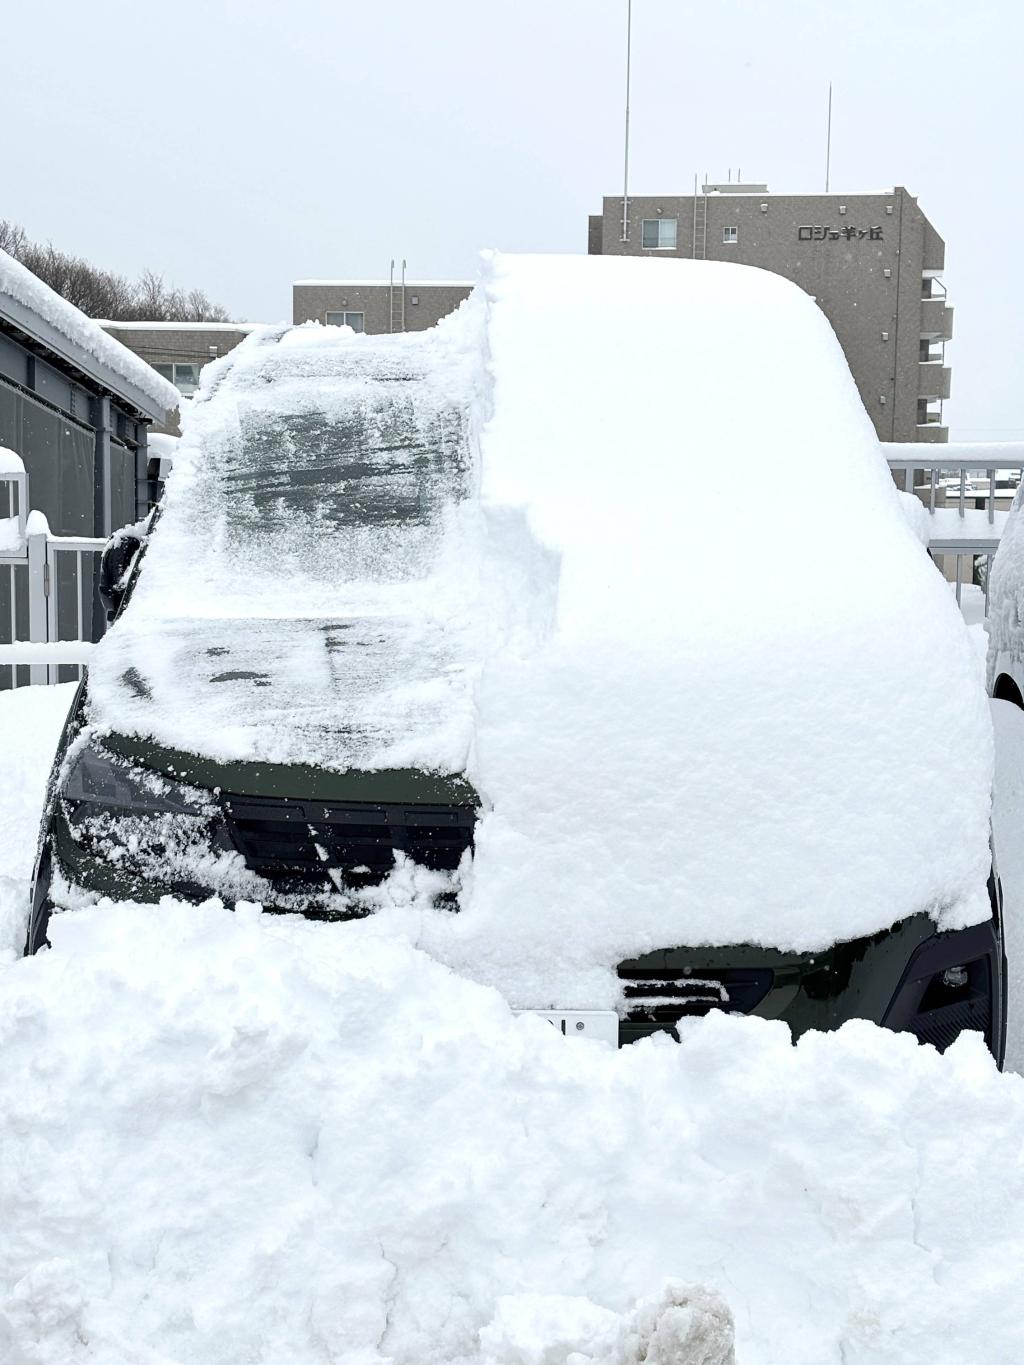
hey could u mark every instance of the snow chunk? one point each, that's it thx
(31, 719)
(680, 1326)
(11, 540)
(20, 284)
(237, 1138)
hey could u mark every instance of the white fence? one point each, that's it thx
(50, 590)
(967, 491)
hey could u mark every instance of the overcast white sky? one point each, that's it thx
(240, 144)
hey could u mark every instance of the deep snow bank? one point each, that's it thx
(243, 1140)
(31, 719)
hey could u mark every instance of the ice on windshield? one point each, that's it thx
(288, 607)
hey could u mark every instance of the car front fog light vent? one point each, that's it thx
(952, 985)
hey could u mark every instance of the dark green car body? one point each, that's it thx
(310, 838)
(911, 977)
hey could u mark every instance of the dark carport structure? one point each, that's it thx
(75, 407)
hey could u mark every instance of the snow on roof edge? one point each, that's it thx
(89, 342)
(142, 326)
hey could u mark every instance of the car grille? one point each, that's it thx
(943, 1026)
(664, 996)
(299, 844)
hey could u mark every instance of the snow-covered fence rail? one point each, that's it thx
(13, 520)
(979, 476)
(47, 585)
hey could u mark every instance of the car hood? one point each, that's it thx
(372, 692)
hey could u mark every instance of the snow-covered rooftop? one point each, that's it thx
(180, 326)
(384, 284)
(667, 749)
(82, 341)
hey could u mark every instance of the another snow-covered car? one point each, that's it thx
(1005, 662)
(437, 627)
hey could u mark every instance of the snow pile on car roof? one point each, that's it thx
(30, 292)
(697, 709)
(241, 1138)
(731, 710)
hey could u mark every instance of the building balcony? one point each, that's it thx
(932, 379)
(932, 432)
(936, 320)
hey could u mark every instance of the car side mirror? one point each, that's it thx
(115, 565)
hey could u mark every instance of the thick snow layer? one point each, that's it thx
(20, 284)
(234, 1139)
(666, 751)
(10, 463)
(31, 719)
(180, 326)
(1006, 595)
(918, 517)
(11, 540)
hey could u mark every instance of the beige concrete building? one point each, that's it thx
(873, 262)
(179, 350)
(377, 306)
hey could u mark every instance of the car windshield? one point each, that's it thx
(289, 605)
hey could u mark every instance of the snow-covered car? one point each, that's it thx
(433, 626)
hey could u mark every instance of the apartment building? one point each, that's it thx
(872, 261)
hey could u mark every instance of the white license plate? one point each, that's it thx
(600, 1025)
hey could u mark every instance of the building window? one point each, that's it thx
(346, 319)
(730, 234)
(659, 234)
(185, 378)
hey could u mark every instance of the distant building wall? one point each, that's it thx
(870, 260)
(179, 350)
(377, 307)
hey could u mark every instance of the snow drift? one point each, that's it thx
(235, 1139)
(667, 752)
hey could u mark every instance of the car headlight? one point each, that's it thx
(99, 779)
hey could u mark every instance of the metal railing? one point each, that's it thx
(970, 532)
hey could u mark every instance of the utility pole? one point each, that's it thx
(625, 172)
(828, 139)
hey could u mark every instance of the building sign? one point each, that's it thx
(833, 234)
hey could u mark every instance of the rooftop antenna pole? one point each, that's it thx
(828, 140)
(625, 172)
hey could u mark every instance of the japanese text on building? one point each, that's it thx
(818, 233)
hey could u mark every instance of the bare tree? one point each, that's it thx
(12, 238)
(101, 294)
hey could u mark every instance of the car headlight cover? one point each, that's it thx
(99, 779)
